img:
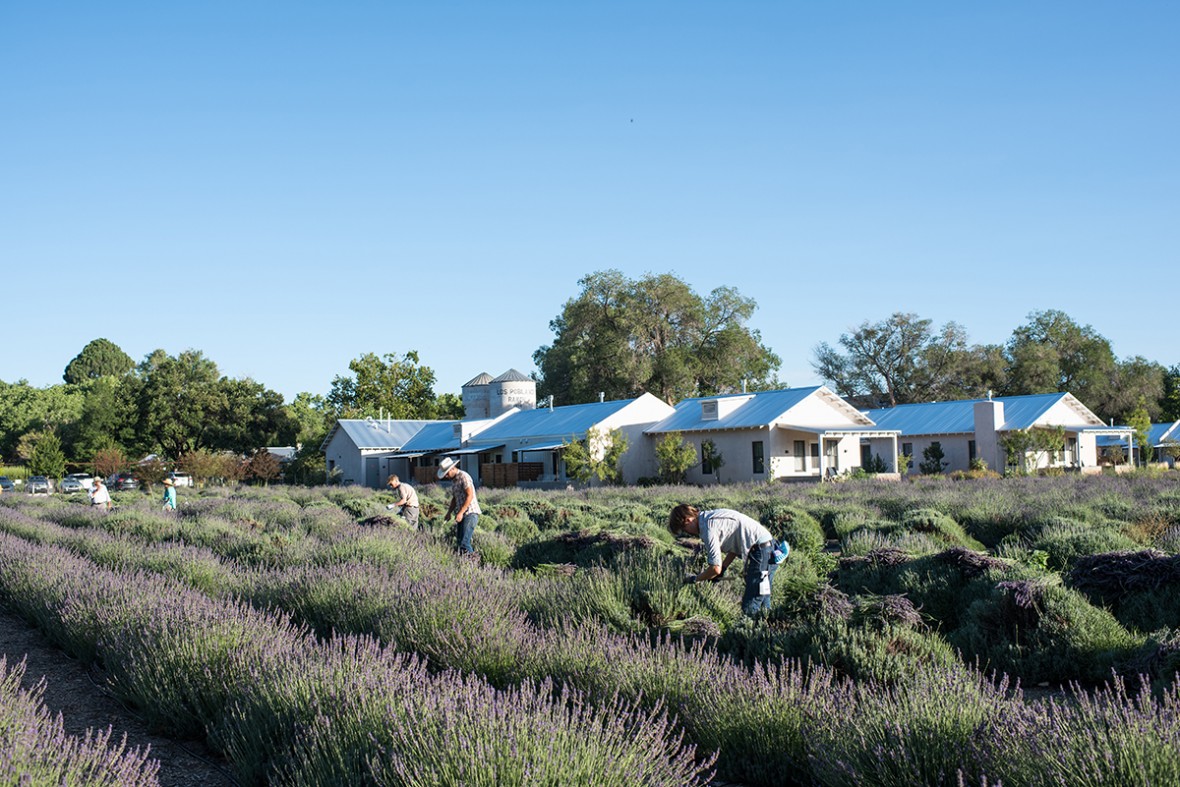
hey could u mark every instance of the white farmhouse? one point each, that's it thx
(534, 438)
(972, 429)
(789, 434)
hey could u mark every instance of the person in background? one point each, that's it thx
(99, 496)
(463, 505)
(169, 494)
(728, 535)
(407, 502)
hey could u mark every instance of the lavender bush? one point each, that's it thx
(35, 750)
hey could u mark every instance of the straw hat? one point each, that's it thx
(168, 482)
(445, 466)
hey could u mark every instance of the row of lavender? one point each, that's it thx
(770, 725)
(35, 749)
(288, 708)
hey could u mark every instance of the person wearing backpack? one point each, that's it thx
(727, 535)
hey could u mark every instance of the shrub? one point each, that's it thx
(1041, 632)
(794, 524)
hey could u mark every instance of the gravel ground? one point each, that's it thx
(70, 690)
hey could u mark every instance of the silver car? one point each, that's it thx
(39, 485)
(69, 484)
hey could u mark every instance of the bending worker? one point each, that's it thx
(726, 535)
(407, 503)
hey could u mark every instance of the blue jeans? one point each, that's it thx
(758, 564)
(466, 529)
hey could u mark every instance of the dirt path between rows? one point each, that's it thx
(70, 690)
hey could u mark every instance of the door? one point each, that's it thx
(832, 456)
(800, 456)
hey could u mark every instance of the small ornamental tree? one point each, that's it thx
(108, 461)
(47, 457)
(151, 472)
(598, 456)
(934, 463)
(231, 467)
(1025, 447)
(1140, 421)
(674, 457)
(201, 464)
(264, 466)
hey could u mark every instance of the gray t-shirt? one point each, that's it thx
(724, 530)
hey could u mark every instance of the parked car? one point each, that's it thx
(124, 482)
(69, 485)
(181, 479)
(85, 480)
(39, 485)
(6, 484)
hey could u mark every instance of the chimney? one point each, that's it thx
(601, 396)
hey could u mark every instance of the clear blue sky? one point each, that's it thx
(286, 186)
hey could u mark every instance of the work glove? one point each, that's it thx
(690, 578)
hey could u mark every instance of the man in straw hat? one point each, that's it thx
(99, 496)
(463, 504)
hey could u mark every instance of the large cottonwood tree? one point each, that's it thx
(621, 337)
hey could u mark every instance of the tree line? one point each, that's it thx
(905, 358)
(618, 337)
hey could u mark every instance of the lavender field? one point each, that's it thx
(980, 632)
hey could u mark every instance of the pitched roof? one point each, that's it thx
(570, 420)
(483, 378)
(958, 417)
(368, 434)
(1161, 434)
(437, 436)
(513, 376)
(758, 410)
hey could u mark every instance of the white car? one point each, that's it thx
(181, 479)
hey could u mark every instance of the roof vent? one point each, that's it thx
(709, 410)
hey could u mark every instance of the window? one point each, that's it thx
(970, 450)
(907, 450)
(706, 463)
(759, 457)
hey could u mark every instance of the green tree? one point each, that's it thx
(1137, 382)
(1052, 353)
(180, 404)
(596, 456)
(448, 407)
(1140, 421)
(674, 456)
(253, 415)
(902, 359)
(108, 417)
(47, 458)
(24, 408)
(99, 358)
(1026, 447)
(397, 388)
(623, 337)
(933, 456)
(1170, 400)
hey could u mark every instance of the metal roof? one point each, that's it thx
(479, 449)
(435, 436)
(572, 420)
(760, 410)
(368, 434)
(958, 417)
(483, 378)
(513, 376)
(1159, 435)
